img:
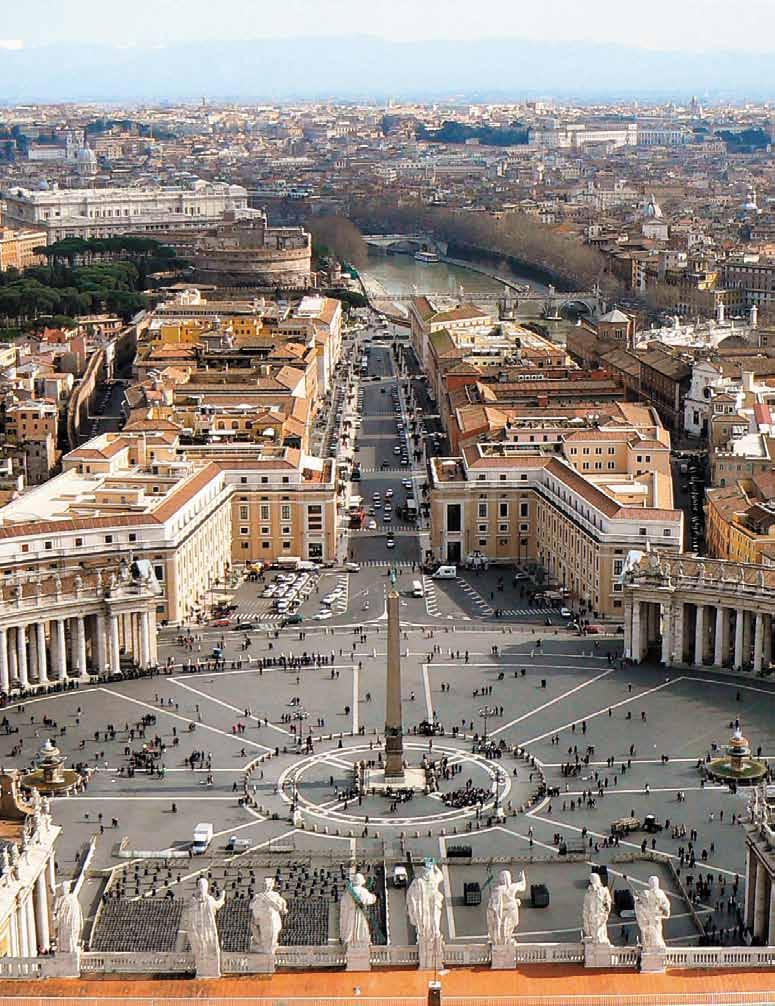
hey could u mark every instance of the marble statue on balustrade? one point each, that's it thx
(267, 910)
(68, 921)
(353, 920)
(203, 930)
(597, 908)
(503, 908)
(652, 907)
(424, 901)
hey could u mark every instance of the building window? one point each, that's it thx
(78, 543)
(246, 544)
(47, 545)
(286, 545)
(454, 517)
(243, 513)
(244, 530)
(503, 527)
(612, 450)
(265, 544)
(667, 533)
(642, 531)
(482, 542)
(285, 511)
(264, 511)
(503, 509)
(25, 547)
(265, 530)
(243, 480)
(524, 509)
(108, 539)
(482, 509)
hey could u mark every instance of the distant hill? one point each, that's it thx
(365, 67)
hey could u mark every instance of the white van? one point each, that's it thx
(445, 573)
(417, 590)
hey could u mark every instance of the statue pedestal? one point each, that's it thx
(263, 963)
(596, 955)
(431, 954)
(359, 957)
(653, 960)
(208, 967)
(67, 965)
(504, 958)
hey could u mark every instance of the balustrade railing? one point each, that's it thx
(550, 953)
(139, 963)
(310, 957)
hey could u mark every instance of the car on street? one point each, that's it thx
(566, 613)
(321, 616)
(221, 623)
(372, 525)
(295, 619)
(390, 543)
(388, 493)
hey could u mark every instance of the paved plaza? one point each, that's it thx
(568, 696)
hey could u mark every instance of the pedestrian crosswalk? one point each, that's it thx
(431, 597)
(474, 595)
(387, 562)
(343, 586)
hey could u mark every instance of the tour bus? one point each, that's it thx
(417, 590)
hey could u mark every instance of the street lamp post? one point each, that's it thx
(485, 712)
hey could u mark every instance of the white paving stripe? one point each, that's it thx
(186, 719)
(551, 702)
(601, 712)
(234, 709)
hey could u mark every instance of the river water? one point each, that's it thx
(403, 275)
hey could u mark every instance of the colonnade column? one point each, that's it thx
(739, 616)
(29, 915)
(678, 640)
(5, 679)
(699, 636)
(23, 931)
(13, 932)
(32, 653)
(61, 649)
(80, 646)
(40, 631)
(145, 641)
(635, 647)
(21, 655)
(721, 647)
(115, 652)
(99, 643)
(760, 906)
(13, 671)
(41, 910)
(758, 643)
(667, 632)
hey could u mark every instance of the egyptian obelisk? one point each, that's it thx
(394, 740)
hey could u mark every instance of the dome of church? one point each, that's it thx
(652, 210)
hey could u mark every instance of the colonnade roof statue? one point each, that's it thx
(267, 910)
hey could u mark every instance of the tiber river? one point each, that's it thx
(401, 274)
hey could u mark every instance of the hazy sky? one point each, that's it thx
(660, 24)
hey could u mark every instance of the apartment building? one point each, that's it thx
(140, 495)
(17, 248)
(740, 519)
(576, 504)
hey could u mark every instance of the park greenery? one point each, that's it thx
(83, 277)
(489, 136)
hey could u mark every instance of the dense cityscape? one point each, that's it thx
(387, 549)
